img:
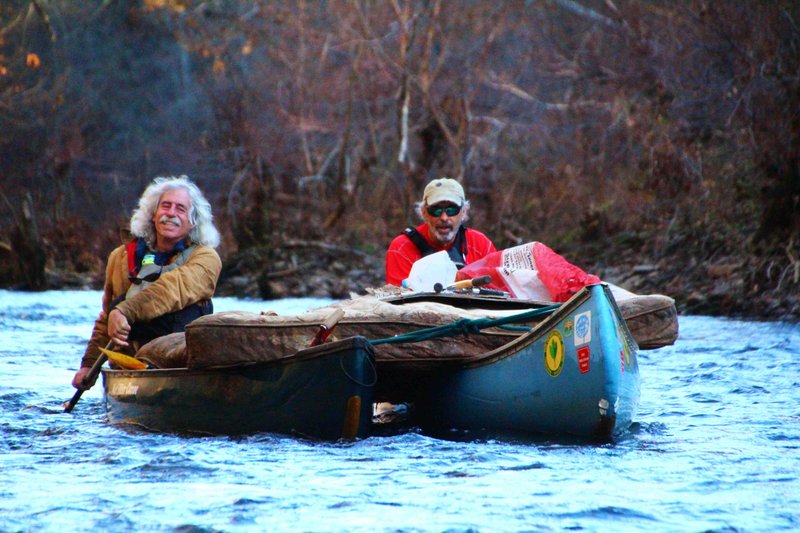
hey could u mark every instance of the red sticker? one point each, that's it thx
(622, 360)
(583, 359)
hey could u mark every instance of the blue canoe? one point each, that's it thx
(574, 373)
(324, 392)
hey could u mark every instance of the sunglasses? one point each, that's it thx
(450, 210)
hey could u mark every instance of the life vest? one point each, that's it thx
(139, 272)
(138, 269)
(457, 252)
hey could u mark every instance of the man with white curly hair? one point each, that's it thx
(162, 279)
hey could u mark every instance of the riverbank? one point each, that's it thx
(728, 286)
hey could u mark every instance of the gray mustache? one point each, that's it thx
(172, 220)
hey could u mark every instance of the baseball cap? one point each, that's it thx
(443, 190)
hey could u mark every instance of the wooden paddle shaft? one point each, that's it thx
(89, 378)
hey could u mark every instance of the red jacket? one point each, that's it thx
(402, 253)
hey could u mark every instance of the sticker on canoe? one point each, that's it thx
(583, 328)
(122, 389)
(569, 325)
(554, 353)
(583, 359)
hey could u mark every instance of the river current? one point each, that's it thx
(715, 447)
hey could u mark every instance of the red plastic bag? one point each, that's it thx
(530, 271)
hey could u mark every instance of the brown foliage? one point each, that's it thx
(618, 132)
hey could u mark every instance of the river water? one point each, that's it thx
(715, 447)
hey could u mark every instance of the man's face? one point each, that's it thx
(443, 220)
(172, 217)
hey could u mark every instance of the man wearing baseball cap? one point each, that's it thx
(444, 210)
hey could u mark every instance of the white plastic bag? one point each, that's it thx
(430, 270)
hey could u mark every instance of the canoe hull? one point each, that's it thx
(326, 393)
(575, 374)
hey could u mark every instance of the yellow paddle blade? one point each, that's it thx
(125, 361)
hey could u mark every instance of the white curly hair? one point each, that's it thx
(203, 230)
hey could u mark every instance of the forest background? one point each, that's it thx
(653, 143)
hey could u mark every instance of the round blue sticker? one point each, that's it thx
(582, 326)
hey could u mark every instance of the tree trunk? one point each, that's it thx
(30, 253)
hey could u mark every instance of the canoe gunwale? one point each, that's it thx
(468, 301)
(307, 354)
(652, 319)
(524, 340)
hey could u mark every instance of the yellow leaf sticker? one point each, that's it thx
(554, 353)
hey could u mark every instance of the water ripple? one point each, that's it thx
(715, 447)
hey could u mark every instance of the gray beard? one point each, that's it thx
(449, 237)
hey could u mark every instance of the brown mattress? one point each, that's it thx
(238, 337)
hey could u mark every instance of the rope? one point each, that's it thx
(465, 326)
(352, 378)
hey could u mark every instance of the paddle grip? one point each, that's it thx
(326, 328)
(470, 283)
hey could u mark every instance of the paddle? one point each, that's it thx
(463, 285)
(89, 378)
(125, 361)
(326, 328)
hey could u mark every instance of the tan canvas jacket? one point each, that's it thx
(192, 282)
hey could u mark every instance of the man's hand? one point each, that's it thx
(80, 376)
(118, 327)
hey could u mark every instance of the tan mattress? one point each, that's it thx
(238, 337)
(234, 337)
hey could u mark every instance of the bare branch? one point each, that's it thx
(517, 91)
(584, 11)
